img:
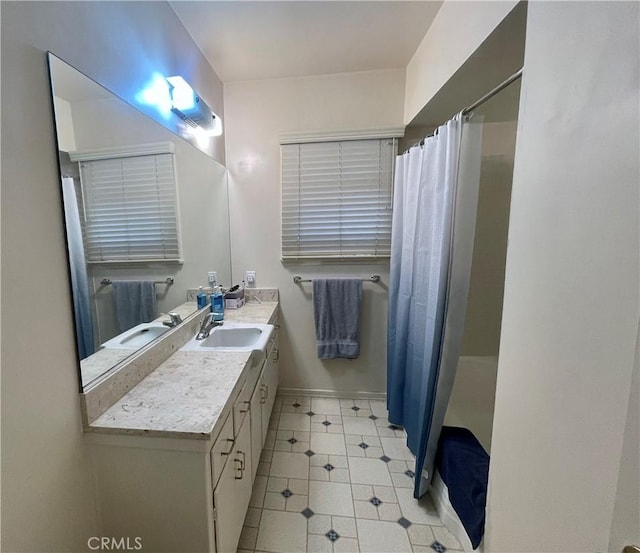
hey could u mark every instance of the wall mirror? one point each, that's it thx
(146, 217)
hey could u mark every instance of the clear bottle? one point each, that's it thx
(217, 301)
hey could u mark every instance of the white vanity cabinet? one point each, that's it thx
(181, 494)
(233, 492)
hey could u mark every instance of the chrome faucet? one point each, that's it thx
(174, 320)
(208, 323)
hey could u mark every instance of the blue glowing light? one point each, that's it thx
(157, 94)
(183, 97)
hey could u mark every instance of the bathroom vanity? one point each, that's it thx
(176, 456)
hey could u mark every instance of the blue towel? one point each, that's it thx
(464, 467)
(336, 311)
(134, 302)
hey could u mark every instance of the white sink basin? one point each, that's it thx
(233, 337)
(136, 337)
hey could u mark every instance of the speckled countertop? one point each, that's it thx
(185, 396)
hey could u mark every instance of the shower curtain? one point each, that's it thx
(434, 212)
(78, 270)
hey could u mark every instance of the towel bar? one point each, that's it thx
(168, 281)
(373, 278)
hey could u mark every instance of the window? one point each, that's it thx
(130, 209)
(336, 198)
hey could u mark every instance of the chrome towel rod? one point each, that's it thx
(373, 278)
(168, 281)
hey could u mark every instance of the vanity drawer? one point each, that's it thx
(222, 449)
(242, 405)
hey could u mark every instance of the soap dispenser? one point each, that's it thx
(217, 301)
(201, 298)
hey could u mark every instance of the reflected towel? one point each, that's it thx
(336, 311)
(134, 302)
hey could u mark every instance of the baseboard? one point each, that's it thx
(306, 392)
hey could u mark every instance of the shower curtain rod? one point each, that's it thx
(504, 84)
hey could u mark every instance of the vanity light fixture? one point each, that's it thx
(192, 109)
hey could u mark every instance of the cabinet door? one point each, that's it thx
(269, 385)
(256, 427)
(233, 492)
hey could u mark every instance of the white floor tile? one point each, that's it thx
(362, 492)
(420, 534)
(297, 503)
(364, 427)
(339, 475)
(330, 498)
(299, 487)
(346, 545)
(338, 461)
(355, 451)
(318, 544)
(417, 511)
(364, 509)
(319, 460)
(445, 537)
(396, 448)
(345, 526)
(382, 537)
(290, 465)
(385, 493)
(325, 406)
(369, 471)
(276, 484)
(294, 421)
(271, 537)
(319, 524)
(373, 452)
(401, 480)
(319, 473)
(389, 511)
(379, 408)
(332, 444)
(274, 501)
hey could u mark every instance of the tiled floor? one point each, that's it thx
(336, 477)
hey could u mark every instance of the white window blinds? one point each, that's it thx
(336, 199)
(130, 209)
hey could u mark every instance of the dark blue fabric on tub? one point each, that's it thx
(463, 465)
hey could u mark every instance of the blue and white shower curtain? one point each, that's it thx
(434, 213)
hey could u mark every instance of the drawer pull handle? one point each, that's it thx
(276, 354)
(232, 441)
(248, 404)
(242, 464)
(276, 326)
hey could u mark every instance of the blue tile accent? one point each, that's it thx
(329, 467)
(363, 445)
(375, 501)
(326, 423)
(287, 493)
(385, 459)
(292, 440)
(296, 405)
(332, 535)
(395, 427)
(307, 513)
(438, 547)
(309, 453)
(373, 417)
(310, 413)
(404, 522)
(410, 473)
(355, 408)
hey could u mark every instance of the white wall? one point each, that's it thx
(571, 287)
(456, 32)
(47, 501)
(257, 112)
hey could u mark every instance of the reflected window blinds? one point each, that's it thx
(336, 199)
(130, 209)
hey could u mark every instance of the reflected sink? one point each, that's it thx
(136, 337)
(233, 337)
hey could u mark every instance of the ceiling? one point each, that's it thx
(246, 40)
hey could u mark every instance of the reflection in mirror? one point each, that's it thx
(146, 215)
